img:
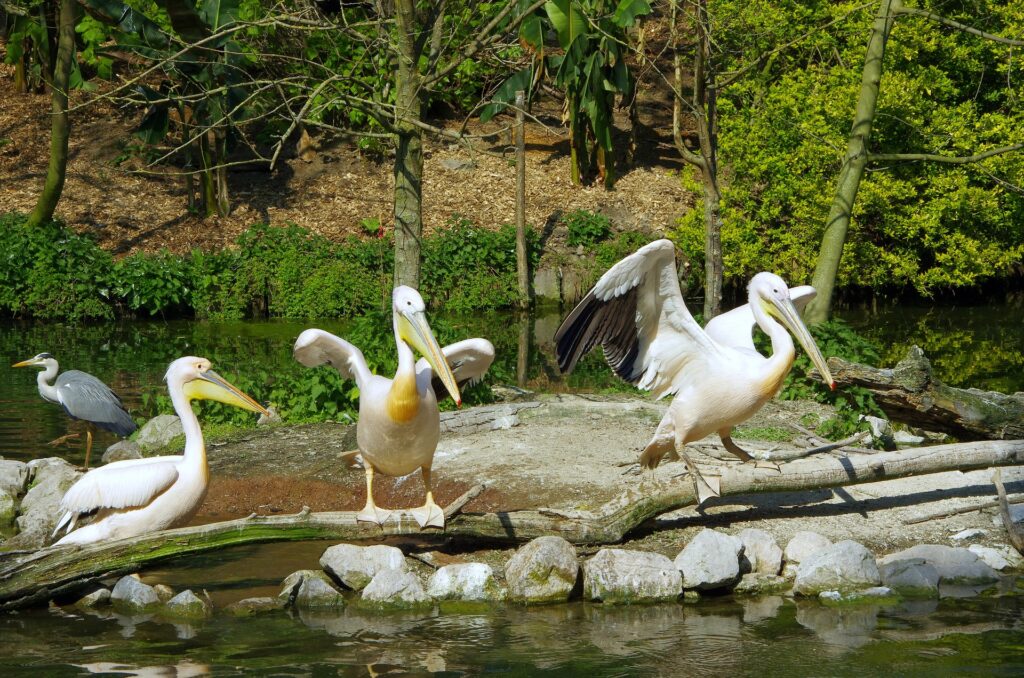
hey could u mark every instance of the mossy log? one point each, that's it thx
(910, 394)
(33, 579)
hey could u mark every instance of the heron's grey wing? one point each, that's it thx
(735, 328)
(637, 314)
(124, 484)
(317, 347)
(85, 397)
(469, 359)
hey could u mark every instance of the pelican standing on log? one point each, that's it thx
(399, 421)
(636, 313)
(82, 396)
(136, 496)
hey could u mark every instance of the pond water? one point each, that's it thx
(981, 346)
(726, 636)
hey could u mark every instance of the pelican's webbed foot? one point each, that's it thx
(745, 456)
(428, 515)
(372, 513)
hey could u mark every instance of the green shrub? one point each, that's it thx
(586, 228)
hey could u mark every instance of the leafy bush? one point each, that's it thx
(586, 228)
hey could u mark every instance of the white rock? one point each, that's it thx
(8, 509)
(542, 571)
(910, 576)
(881, 430)
(830, 595)
(132, 595)
(354, 566)
(969, 535)
(464, 581)
(907, 439)
(121, 450)
(995, 558)
(13, 476)
(395, 588)
(761, 551)
(954, 565)
(759, 583)
(95, 598)
(710, 561)
(159, 431)
(188, 605)
(846, 566)
(621, 576)
(40, 506)
(803, 545)
(317, 592)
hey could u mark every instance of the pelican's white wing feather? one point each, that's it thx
(636, 313)
(469, 359)
(124, 484)
(735, 328)
(317, 347)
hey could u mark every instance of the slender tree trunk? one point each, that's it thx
(522, 263)
(60, 127)
(221, 173)
(838, 223)
(408, 170)
(207, 186)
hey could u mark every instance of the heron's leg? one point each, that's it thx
(430, 514)
(371, 513)
(743, 455)
(88, 446)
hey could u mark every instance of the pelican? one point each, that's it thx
(399, 422)
(136, 496)
(82, 396)
(636, 313)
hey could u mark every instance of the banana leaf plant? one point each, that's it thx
(589, 64)
(202, 91)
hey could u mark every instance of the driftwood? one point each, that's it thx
(909, 393)
(38, 577)
(1015, 533)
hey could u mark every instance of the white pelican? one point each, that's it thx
(399, 422)
(136, 496)
(82, 396)
(636, 313)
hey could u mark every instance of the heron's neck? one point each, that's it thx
(44, 378)
(783, 351)
(195, 448)
(403, 397)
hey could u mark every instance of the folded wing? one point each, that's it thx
(735, 328)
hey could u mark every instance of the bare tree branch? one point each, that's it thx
(914, 11)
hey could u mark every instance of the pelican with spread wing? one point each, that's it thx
(636, 313)
(399, 421)
(136, 496)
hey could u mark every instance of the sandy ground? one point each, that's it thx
(574, 452)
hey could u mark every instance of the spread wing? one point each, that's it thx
(85, 397)
(317, 347)
(131, 483)
(735, 328)
(636, 314)
(469, 359)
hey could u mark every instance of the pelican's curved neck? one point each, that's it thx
(403, 397)
(195, 448)
(783, 350)
(43, 380)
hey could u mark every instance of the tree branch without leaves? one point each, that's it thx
(913, 11)
(952, 160)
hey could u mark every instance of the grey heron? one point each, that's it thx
(83, 397)
(399, 422)
(136, 496)
(637, 314)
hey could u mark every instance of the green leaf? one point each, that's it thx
(219, 13)
(185, 19)
(628, 10)
(506, 93)
(531, 32)
(569, 23)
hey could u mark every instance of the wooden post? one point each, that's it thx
(522, 265)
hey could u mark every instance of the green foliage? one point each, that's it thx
(586, 228)
(835, 339)
(154, 284)
(591, 69)
(926, 226)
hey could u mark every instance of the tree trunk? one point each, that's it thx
(221, 173)
(35, 578)
(714, 268)
(408, 170)
(522, 262)
(60, 128)
(908, 393)
(834, 237)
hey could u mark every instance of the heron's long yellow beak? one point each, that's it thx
(212, 386)
(414, 329)
(787, 314)
(31, 362)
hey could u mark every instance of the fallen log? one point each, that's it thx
(35, 578)
(910, 393)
